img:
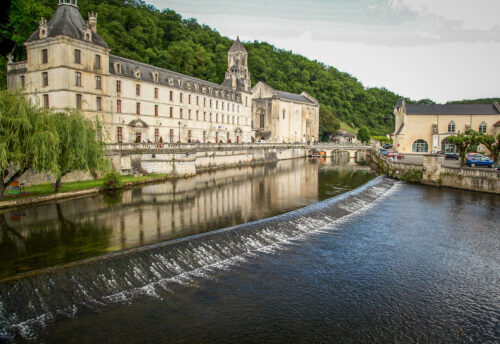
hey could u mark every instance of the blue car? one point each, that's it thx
(383, 151)
(478, 160)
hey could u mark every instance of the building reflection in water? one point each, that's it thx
(52, 234)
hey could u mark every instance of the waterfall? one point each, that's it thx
(28, 301)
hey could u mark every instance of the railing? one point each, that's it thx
(20, 66)
(198, 146)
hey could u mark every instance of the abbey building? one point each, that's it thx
(69, 65)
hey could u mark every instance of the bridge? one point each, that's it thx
(351, 153)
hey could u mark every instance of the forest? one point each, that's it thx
(139, 31)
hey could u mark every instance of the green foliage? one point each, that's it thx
(381, 139)
(465, 142)
(28, 139)
(112, 180)
(364, 134)
(138, 31)
(328, 124)
(79, 147)
(476, 101)
(492, 143)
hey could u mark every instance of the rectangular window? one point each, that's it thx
(98, 103)
(197, 100)
(216, 118)
(205, 116)
(222, 118)
(196, 114)
(98, 82)
(156, 92)
(22, 80)
(46, 101)
(246, 101)
(98, 61)
(238, 109)
(138, 108)
(78, 101)
(137, 90)
(171, 96)
(157, 135)
(227, 106)
(189, 99)
(204, 102)
(119, 134)
(216, 104)
(189, 114)
(156, 110)
(233, 107)
(222, 106)
(78, 56)
(210, 103)
(180, 97)
(45, 56)
(118, 86)
(45, 79)
(180, 113)
(210, 117)
(119, 106)
(171, 112)
(189, 135)
(171, 135)
(78, 79)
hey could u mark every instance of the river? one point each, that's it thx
(387, 262)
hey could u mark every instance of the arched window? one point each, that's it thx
(448, 147)
(420, 146)
(482, 128)
(451, 127)
(261, 117)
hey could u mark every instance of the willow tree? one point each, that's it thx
(79, 147)
(27, 138)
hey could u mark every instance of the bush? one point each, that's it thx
(112, 180)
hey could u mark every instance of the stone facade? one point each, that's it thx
(424, 128)
(70, 66)
(284, 117)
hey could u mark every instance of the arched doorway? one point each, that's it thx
(448, 147)
(420, 146)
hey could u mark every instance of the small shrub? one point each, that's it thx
(112, 180)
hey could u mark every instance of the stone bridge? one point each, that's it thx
(351, 153)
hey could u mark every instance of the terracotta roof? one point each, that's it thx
(67, 21)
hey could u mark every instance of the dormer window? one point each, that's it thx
(155, 76)
(118, 68)
(137, 73)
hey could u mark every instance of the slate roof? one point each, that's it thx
(294, 97)
(129, 67)
(67, 21)
(452, 109)
(399, 103)
(237, 46)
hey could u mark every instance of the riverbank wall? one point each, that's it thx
(433, 172)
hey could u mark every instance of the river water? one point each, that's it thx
(389, 262)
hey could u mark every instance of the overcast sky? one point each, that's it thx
(438, 49)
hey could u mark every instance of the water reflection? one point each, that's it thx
(53, 234)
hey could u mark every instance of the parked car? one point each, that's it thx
(395, 155)
(452, 156)
(383, 151)
(387, 146)
(479, 160)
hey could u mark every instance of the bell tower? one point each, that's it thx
(237, 75)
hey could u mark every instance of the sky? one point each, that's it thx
(438, 49)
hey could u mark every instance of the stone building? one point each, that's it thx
(279, 116)
(70, 66)
(425, 128)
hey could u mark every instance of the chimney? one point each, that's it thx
(93, 21)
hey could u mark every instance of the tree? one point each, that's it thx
(28, 138)
(493, 144)
(465, 142)
(328, 124)
(79, 148)
(364, 134)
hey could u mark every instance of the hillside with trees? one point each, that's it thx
(139, 31)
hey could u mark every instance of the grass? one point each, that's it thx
(47, 188)
(348, 128)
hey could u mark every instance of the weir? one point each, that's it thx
(29, 301)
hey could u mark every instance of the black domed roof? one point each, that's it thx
(67, 21)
